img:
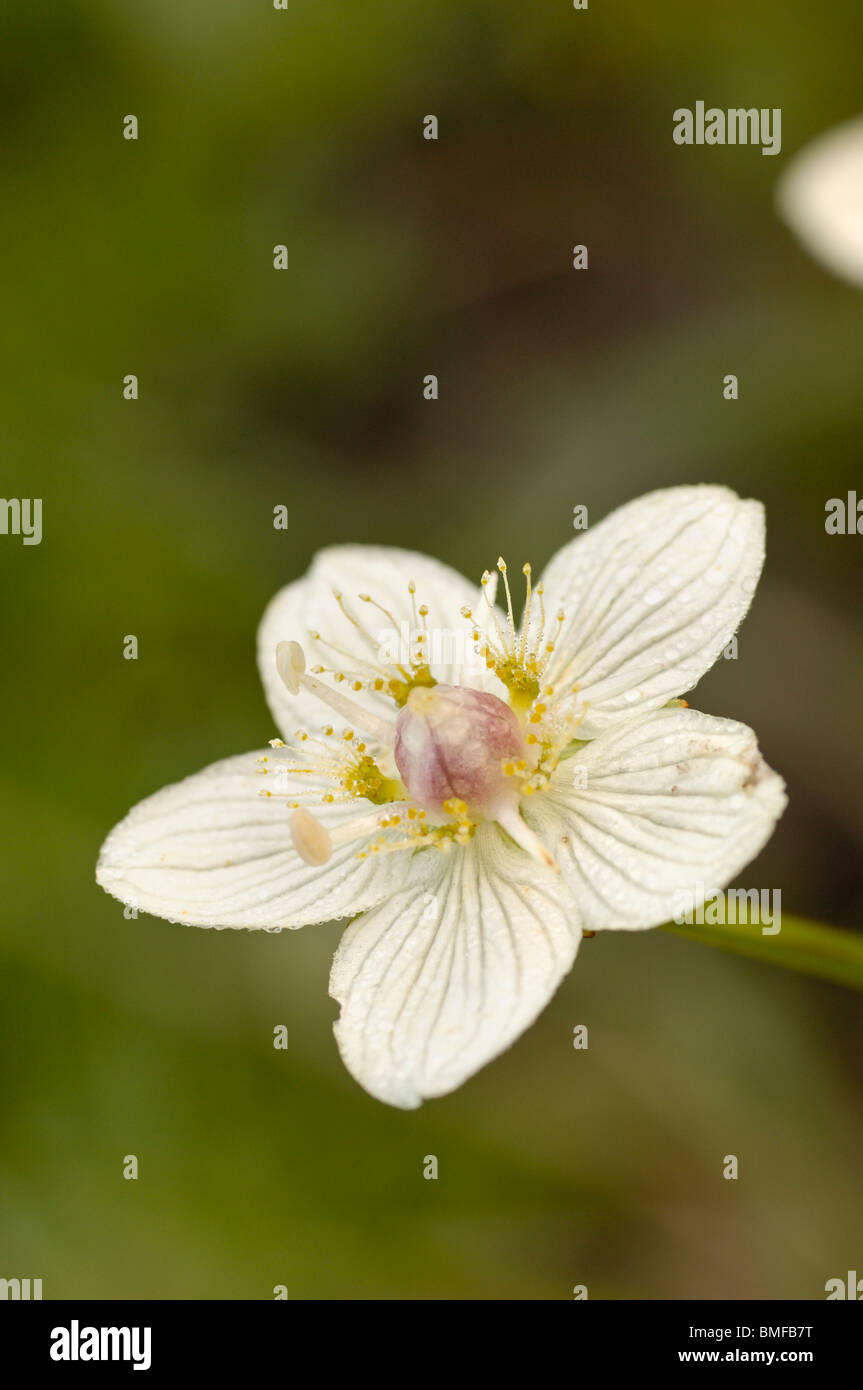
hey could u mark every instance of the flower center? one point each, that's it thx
(452, 743)
(454, 756)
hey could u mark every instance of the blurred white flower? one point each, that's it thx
(820, 196)
(478, 816)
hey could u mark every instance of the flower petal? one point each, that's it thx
(820, 196)
(651, 596)
(672, 800)
(384, 573)
(434, 984)
(214, 851)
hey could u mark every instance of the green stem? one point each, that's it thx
(808, 947)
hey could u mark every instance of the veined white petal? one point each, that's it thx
(384, 573)
(214, 851)
(651, 595)
(663, 803)
(820, 196)
(434, 984)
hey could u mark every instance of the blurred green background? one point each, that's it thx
(303, 388)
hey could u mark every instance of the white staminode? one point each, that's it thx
(312, 841)
(820, 196)
(474, 823)
(291, 666)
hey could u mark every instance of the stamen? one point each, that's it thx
(501, 564)
(355, 622)
(505, 812)
(525, 622)
(367, 669)
(486, 584)
(367, 598)
(540, 593)
(367, 825)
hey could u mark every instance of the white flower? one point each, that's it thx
(478, 815)
(820, 195)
